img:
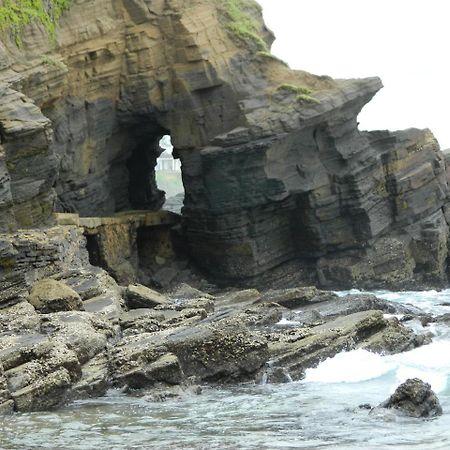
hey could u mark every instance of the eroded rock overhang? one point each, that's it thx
(274, 166)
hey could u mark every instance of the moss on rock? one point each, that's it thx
(17, 14)
(243, 23)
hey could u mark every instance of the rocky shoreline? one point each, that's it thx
(76, 333)
(283, 192)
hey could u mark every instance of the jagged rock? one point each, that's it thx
(138, 296)
(395, 338)
(99, 291)
(185, 389)
(185, 317)
(95, 378)
(239, 297)
(84, 333)
(20, 318)
(6, 403)
(273, 375)
(260, 315)
(139, 361)
(220, 351)
(332, 306)
(297, 297)
(49, 296)
(297, 349)
(414, 398)
(39, 371)
(141, 321)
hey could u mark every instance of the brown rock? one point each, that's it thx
(49, 296)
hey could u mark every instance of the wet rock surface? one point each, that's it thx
(413, 398)
(232, 336)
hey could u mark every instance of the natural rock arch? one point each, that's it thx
(274, 166)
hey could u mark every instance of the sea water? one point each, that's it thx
(320, 412)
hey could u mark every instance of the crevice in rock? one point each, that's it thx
(142, 190)
(93, 248)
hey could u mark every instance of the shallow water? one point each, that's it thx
(317, 413)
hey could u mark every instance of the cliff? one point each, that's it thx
(276, 172)
(281, 189)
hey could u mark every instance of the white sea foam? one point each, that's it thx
(429, 363)
(349, 367)
(284, 321)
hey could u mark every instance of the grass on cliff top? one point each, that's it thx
(17, 14)
(243, 23)
(303, 93)
(268, 56)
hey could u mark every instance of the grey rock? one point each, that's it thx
(20, 318)
(138, 296)
(298, 348)
(185, 292)
(95, 378)
(298, 297)
(414, 398)
(85, 333)
(39, 371)
(220, 351)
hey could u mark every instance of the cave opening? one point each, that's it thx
(168, 175)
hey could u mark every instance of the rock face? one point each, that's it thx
(274, 167)
(414, 398)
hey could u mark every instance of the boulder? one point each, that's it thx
(139, 296)
(50, 295)
(414, 398)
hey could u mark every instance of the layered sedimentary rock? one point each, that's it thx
(274, 166)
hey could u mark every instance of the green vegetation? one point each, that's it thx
(266, 55)
(303, 98)
(50, 61)
(242, 22)
(300, 90)
(302, 93)
(17, 14)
